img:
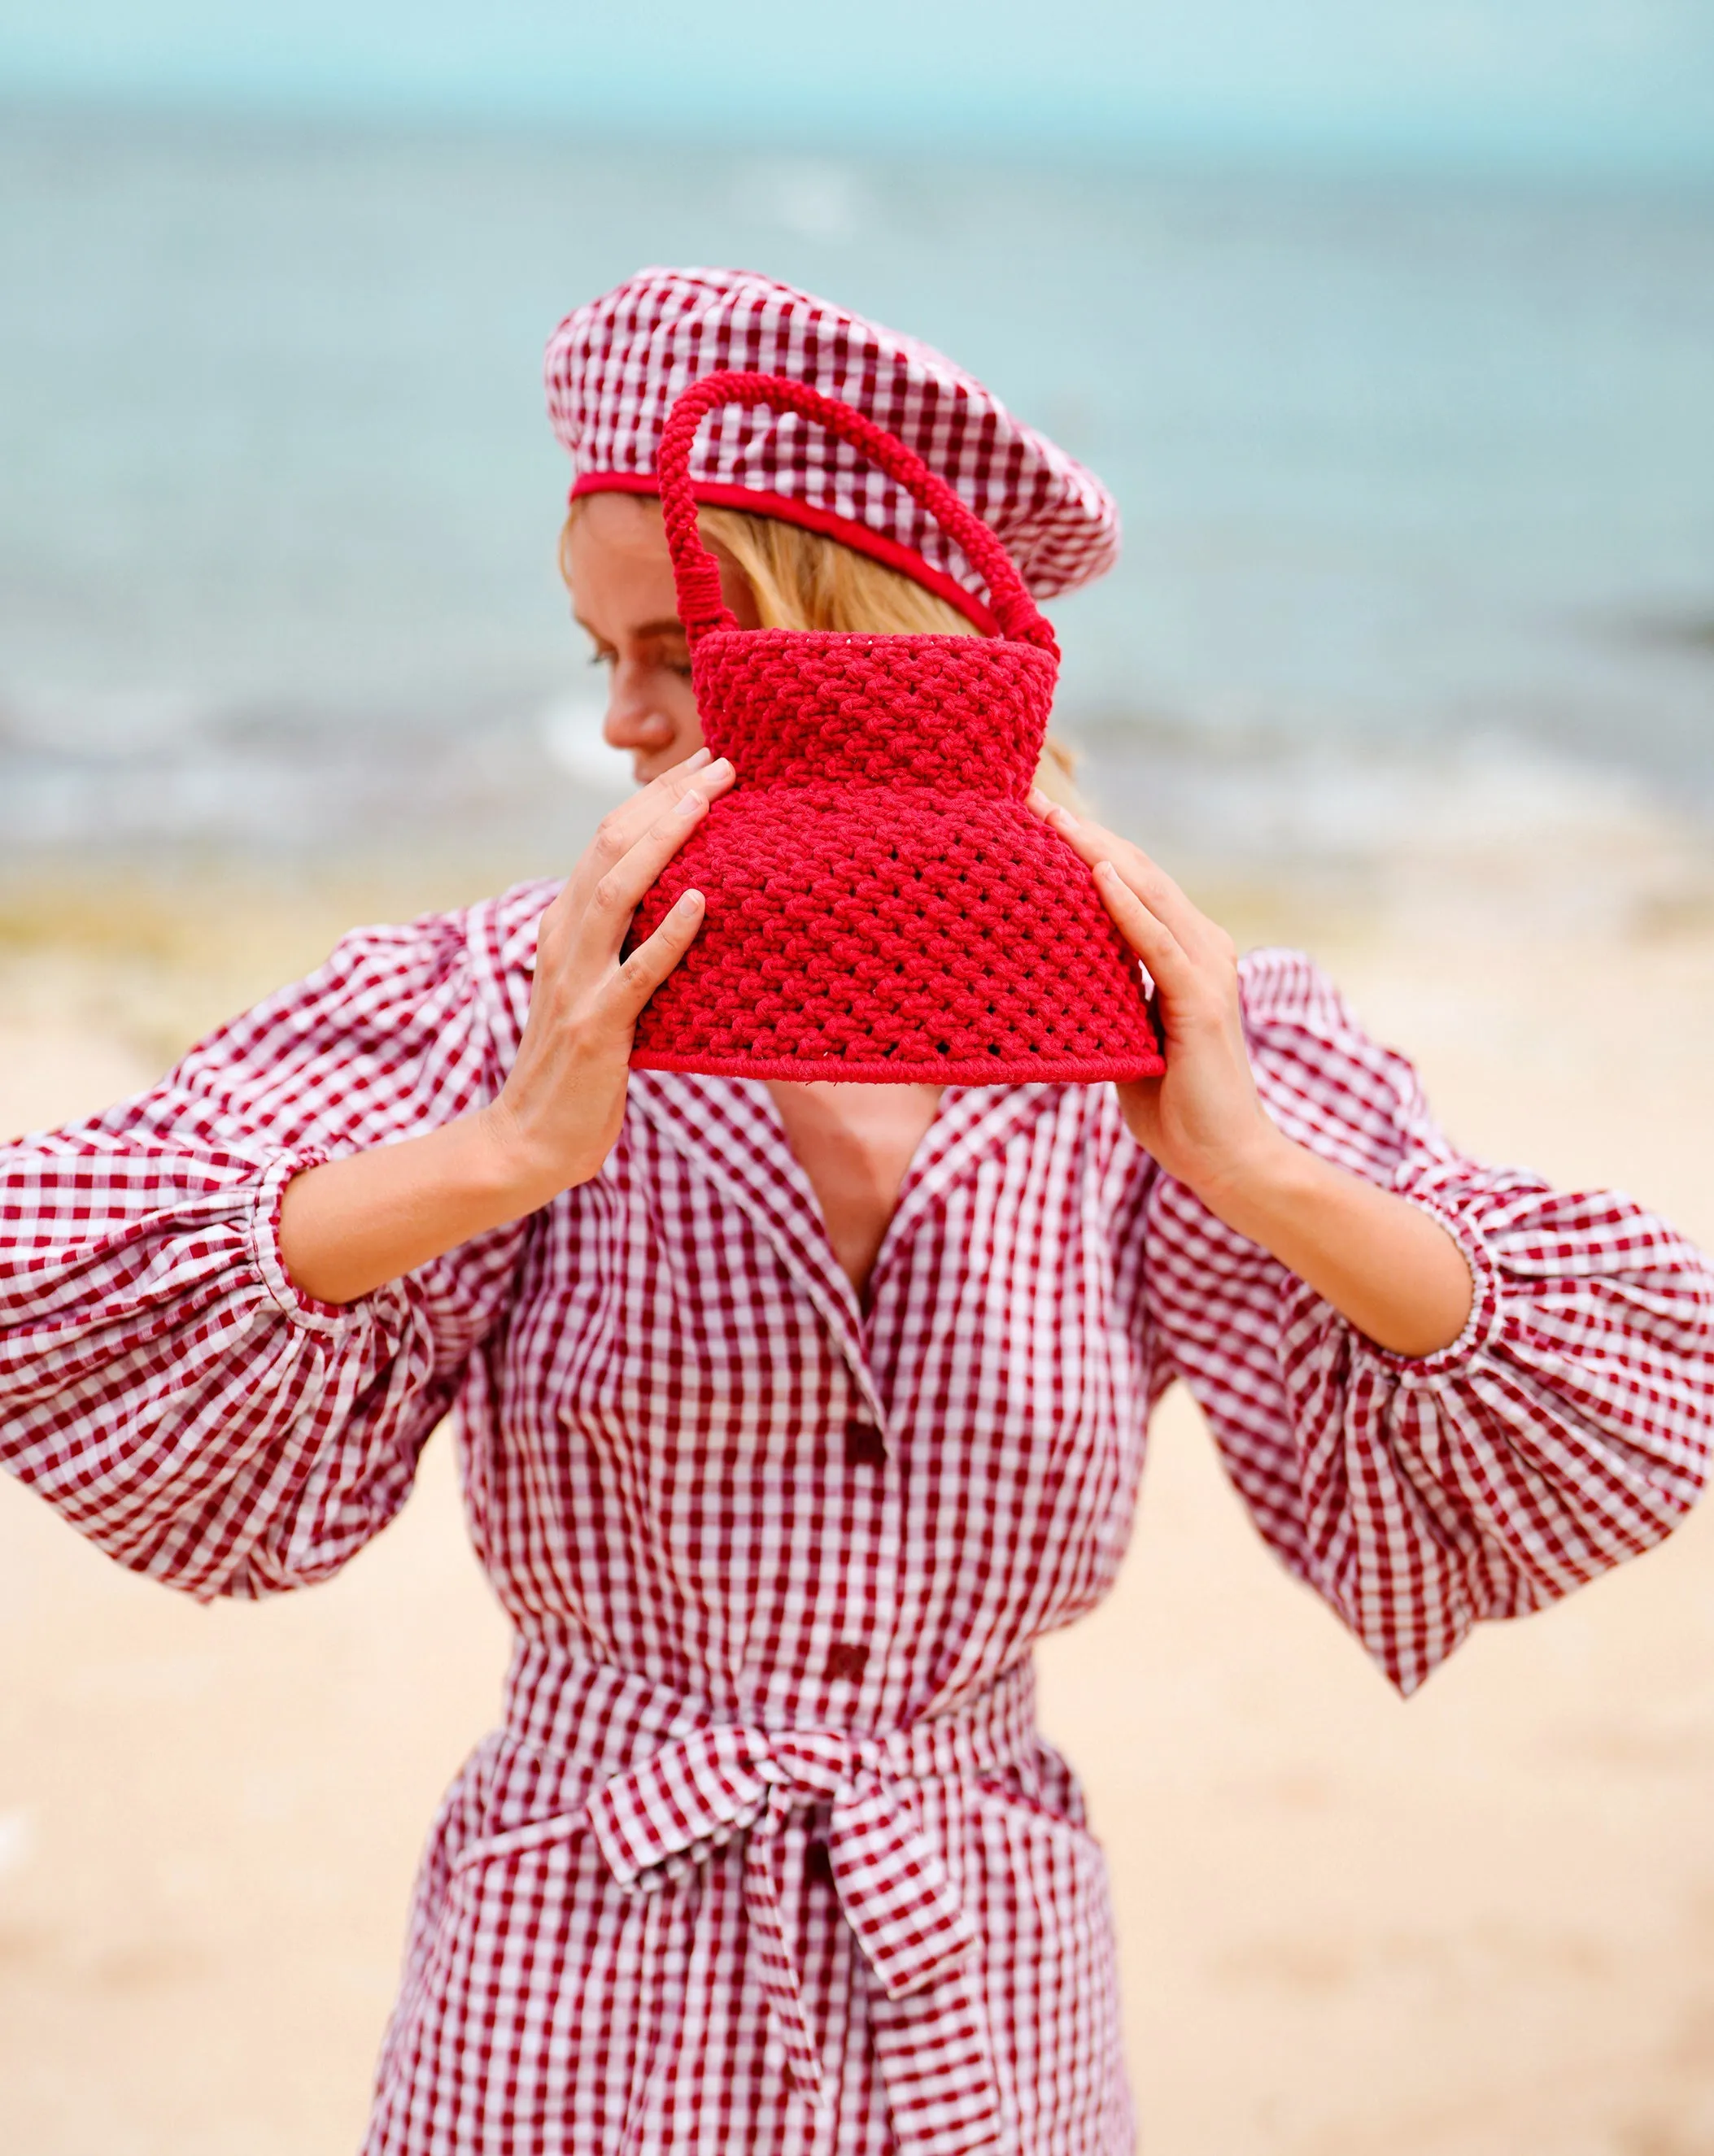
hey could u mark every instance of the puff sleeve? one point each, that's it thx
(163, 1384)
(1566, 1429)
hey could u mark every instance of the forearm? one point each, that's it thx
(1383, 1263)
(351, 1224)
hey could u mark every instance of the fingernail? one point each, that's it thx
(1064, 817)
(722, 769)
(691, 804)
(696, 763)
(688, 901)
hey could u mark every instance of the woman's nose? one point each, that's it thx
(631, 725)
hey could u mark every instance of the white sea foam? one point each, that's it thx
(1415, 477)
(570, 732)
(810, 197)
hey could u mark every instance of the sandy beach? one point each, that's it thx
(1479, 1924)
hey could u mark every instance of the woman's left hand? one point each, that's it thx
(1393, 1270)
(1203, 1121)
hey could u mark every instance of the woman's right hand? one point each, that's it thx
(558, 1116)
(351, 1224)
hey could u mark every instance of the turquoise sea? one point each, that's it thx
(1417, 474)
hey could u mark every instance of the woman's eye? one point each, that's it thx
(602, 658)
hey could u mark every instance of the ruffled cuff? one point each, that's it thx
(331, 1320)
(1479, 1327)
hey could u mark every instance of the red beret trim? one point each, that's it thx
(724, 493)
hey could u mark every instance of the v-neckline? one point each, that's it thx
(731, 1127)
(862, 1296)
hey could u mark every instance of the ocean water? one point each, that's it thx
(1417, 476)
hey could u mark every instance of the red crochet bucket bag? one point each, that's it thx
(881, 903)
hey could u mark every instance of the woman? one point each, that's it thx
(790, 1417)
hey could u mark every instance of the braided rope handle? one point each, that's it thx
(697, 575)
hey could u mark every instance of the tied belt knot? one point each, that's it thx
(675, 1809)
(700, 1785)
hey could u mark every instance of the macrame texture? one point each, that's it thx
(881, 903)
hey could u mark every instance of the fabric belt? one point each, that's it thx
(688, 1785)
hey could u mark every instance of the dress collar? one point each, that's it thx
(730, 1130)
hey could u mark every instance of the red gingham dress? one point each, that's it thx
(766, 1855)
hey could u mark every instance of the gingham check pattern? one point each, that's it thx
(766, 1853)
(615, 366)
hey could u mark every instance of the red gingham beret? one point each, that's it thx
(616, 365)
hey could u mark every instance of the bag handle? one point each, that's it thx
(697, 575)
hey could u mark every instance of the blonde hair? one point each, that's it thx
(802, 579)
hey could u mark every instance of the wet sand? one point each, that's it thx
(1476, 1925)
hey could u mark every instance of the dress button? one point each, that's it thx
(846, 1661)
(864, 1445)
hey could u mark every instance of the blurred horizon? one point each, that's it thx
(1392, 332)
(1592, 88)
